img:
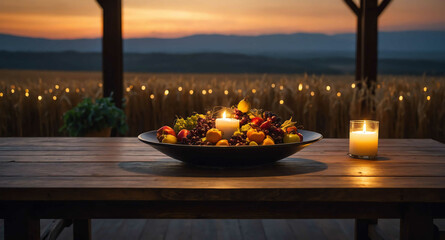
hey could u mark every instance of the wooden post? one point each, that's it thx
(22, 226)
(367, 38)
(417, 222)
(82, 229)
(112, 62)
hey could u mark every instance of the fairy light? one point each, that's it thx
(67, 90)
(281, 87)
(152, 96)
(26, 94)
(226, 92)
(281, 101)
(54, 98)
(128, 89)
(307, 86)
(180, 89)
(338, 94)
(378, 86)
(143, 87)
(191, 92)
(1, 94)
(12, 91)
(39, 98)
(425, 89)
(100, 85)
(166, 92)
(353, 85)
(428, 98)
(328, 88)
(27, 90)
(50, 90)
(210, 91)
(273, 85)
(254, 91)
(312, 93)
(240, 91)
(77, 90)
(204, 92)
(56, 86)
(400, 98)
(300, 87)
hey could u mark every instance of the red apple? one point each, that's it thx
(184, 133)
(165, 130)
(301, 136)
(292, 129)
(266, 125)
(257, 121)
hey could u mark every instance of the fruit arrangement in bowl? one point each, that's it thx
(245, 127)
(234, 137)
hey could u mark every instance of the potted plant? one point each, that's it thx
(94, 119)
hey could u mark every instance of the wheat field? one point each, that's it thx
(32, 102)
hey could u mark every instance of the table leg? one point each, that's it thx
(82, 229)
(362, 228)
(416, 222)
(21, 226)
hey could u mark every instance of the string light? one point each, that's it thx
(400, 98)
(54, 98)
(128, 89)
(240, 91)
(378, 86)
(56, 86)
(166, 92)
(300, 87)
(180, 89)
(210, 91)
(12, 91)
(1, 94)
(191, 92)
(428, 98)
(338, 94)
(67, 90)
(77, 90)
(152, 96)
(425, 89)
(39, 98)
(254, 91)
(281, 87)
(143, 88)
(281, 101)
(353, 85)
(226, 92)
(101, 85)
(328, 88)
(312, 93)
(26, 94)
(50, 90)
(27, 90)
(273, 85)
(204, 92)
(307, 86)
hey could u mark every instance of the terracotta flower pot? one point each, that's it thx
(106, 132)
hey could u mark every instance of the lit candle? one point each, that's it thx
(363, 139)
(227, 126)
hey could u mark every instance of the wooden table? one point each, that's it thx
(84, 178)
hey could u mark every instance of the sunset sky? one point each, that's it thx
(173, 18)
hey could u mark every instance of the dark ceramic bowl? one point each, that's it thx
(226, 157)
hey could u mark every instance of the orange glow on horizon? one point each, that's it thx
(175, 18)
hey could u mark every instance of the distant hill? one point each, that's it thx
(420, 44)
(211, 63)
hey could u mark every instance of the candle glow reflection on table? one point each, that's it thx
(227, 125)
(363, 142)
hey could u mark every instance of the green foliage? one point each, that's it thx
(90, 116)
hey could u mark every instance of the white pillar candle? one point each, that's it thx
(227, 126)
(364, 142)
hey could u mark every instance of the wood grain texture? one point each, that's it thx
(54, 169)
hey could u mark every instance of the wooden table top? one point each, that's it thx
(59, 169)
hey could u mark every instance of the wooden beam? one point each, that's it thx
(383, 5)
(112, 50)
(369, 42)
(353, 7)
(82, 229)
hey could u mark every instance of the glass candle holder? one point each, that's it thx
(363, 139)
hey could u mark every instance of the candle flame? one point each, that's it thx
(364, 127)
(224, 114)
